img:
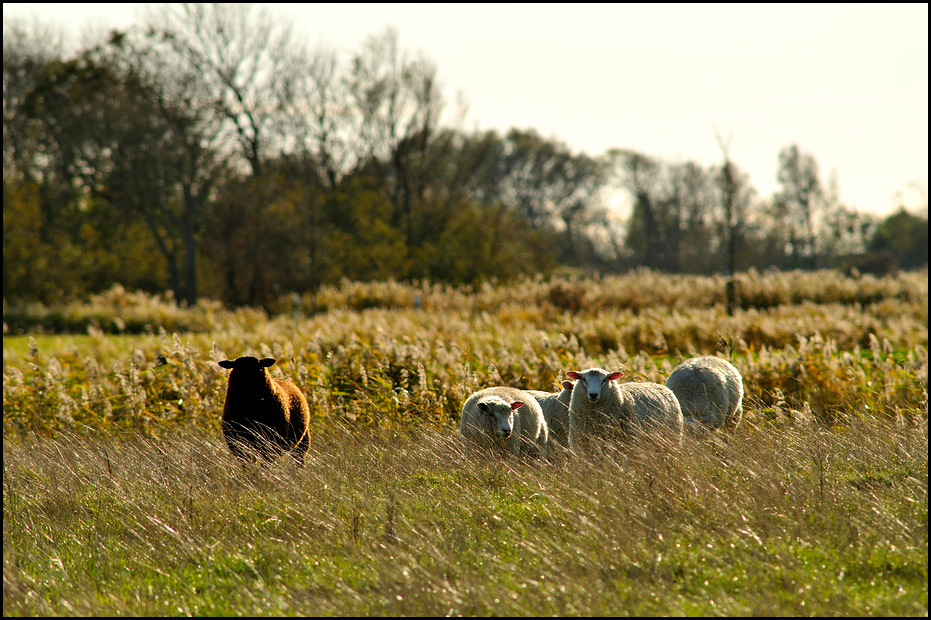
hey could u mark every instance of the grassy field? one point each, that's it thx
(120, 497)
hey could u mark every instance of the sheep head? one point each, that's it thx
(500, 414)
(247, 368)
(594, 381)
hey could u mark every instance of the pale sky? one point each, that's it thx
(847, 83)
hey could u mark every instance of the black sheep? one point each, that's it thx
(263, 415)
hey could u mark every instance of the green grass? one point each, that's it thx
(778, 521)
(16, 348)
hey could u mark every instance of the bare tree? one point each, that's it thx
(544, 181)
(685, 206)
(800, 196)
(397, 101)
(640, 175)
(246, 60)
(319, 117)
(736, 197)
(319, 120)
(195, 161)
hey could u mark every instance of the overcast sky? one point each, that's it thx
(847, 83)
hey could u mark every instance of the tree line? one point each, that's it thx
(212, 153)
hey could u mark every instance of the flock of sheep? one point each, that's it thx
(266, 417)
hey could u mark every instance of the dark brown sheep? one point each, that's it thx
(263, 415)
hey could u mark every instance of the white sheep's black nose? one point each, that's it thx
(506, 433)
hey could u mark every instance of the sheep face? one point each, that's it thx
(594, 381)
(500, 415)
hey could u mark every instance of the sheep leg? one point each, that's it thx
(242, 450)
(299, 451)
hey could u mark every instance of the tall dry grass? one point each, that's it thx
(415, 366)
(119, 311)
(794, 519)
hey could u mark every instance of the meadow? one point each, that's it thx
(120, 497)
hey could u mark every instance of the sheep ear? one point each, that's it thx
(268, 361)
(614, 376)
(225, 364)
(573, 375)
(516, 404)
(567, 384)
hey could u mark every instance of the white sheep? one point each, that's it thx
(710, 391)
(555, 406)
(263, 415)
(504, 417)
(600, 403)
